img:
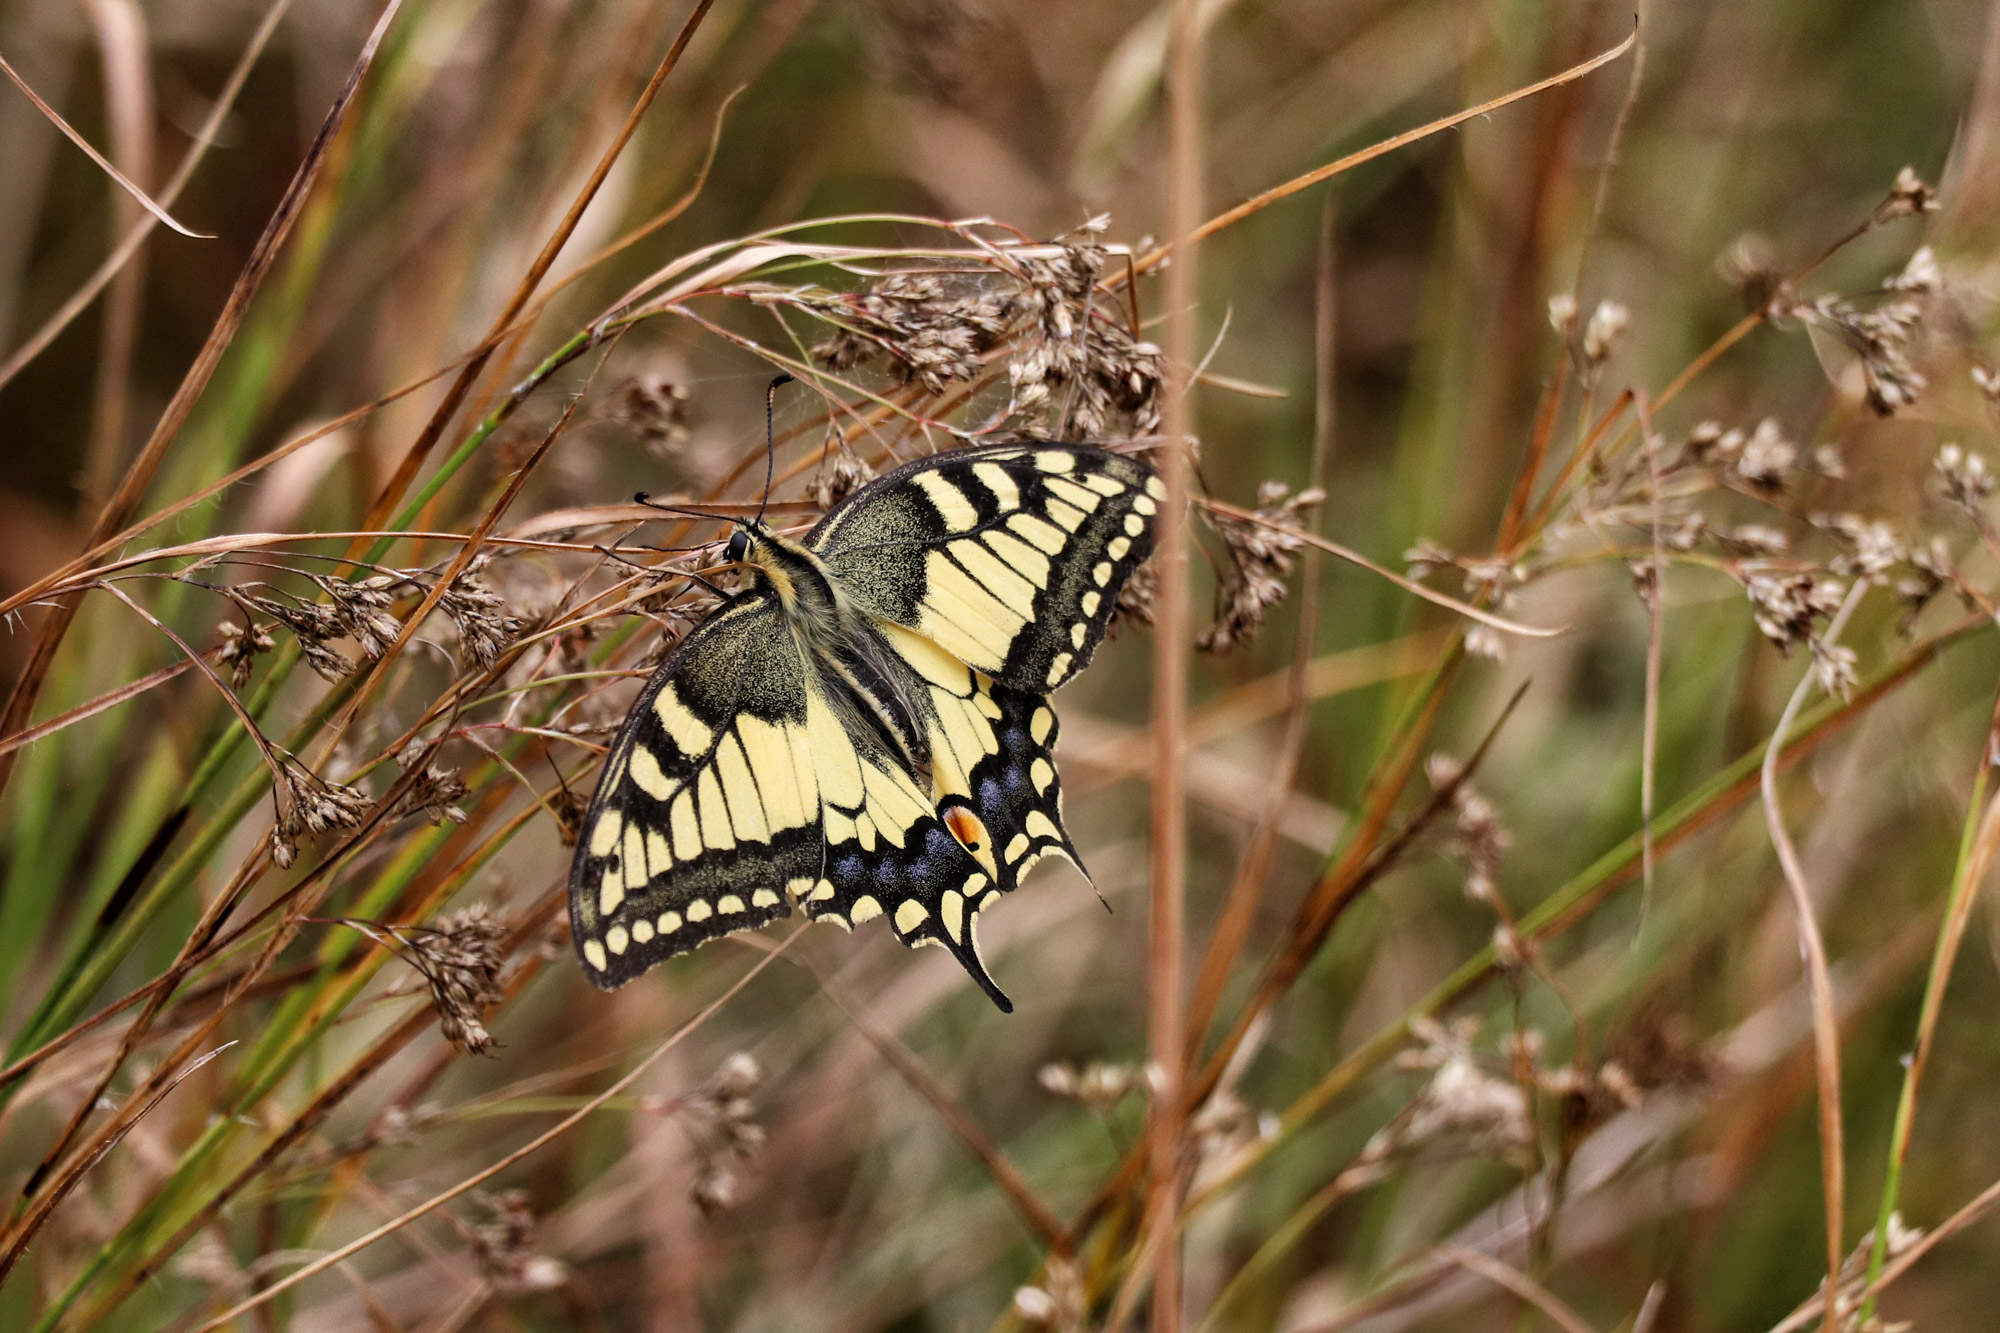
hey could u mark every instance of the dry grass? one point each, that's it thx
(1497, 904)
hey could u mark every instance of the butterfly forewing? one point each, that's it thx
(707, 819)
(1010, 557)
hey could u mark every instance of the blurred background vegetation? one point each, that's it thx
(1485, 1070)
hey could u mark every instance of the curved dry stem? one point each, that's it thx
(1825, 1023)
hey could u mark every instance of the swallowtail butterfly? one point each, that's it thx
(865, 730)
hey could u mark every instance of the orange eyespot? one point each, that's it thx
(966, 827)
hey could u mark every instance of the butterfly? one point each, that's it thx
(864, 730)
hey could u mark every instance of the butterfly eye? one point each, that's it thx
(739, 545)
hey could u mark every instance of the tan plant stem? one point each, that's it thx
(478, 1178)
(20, 705)
(454, 397)
(128, 106)
(1826, 1025)
(1977, 844)
(1233, 925)
(1165, 1018)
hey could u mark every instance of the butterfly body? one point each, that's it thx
(864, 730)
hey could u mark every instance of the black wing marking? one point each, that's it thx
(1010, 557)
(707, 818)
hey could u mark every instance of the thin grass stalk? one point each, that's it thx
(104, 164)
(128, 94)
(1585, 893)
(420, 448)
(1978, 839)
(1826, 1025)
(161, 1241)
(128, 246)
(1165, 1014)
(131, 490)
(479, 1178)
(1311, 178)
(1655, 590)
(1246, 891)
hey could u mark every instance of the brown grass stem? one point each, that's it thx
(1517, 1282)
(1978, 841)
(1166, 1015)
(527, 1149)
(104, 164)
(139, 475)
(1246, 889)
(128, 246)
(120, 27)
(1307, 180)
(1353, 557)
(1826, 1024)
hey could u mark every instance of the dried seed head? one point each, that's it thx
(1562, 313)
(721, 1122)
(568, 806)
(1261, 556)
(364, 609)
(1753, 540)
(841, 473)
(1426, 558)
(1833, 668)
(433, 792)
(485, 628)
(1767, 457)
(505, 1246)
(929, 327)
(1686, 534)
(1920, 277)
(1751, 267)
(1098, 1085)
(461, 958)
(241, 646)
(1988, 383)
(1964, 477)
(309, 804)
(1479, 839)
(1060, 1301)
(1462, 1105)
(1931, 571)
(1908, 197)
(1604, 332)
(1872, 547)
(1882, 335)
(1137, 598)
(1710, 443)
(658, 408)
(1789, 606)
(1487, 643)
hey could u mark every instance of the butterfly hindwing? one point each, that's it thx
(931, 861)
(707, 819)
(1010, 557)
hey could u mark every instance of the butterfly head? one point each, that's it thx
(738, 550)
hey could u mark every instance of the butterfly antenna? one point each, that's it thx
(770, 445)
(641, 498)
